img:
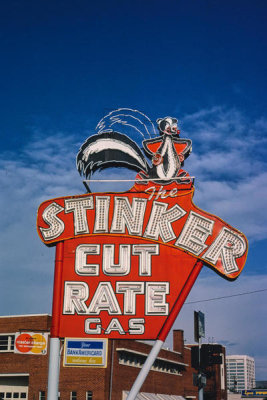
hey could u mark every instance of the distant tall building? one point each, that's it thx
(240, 372)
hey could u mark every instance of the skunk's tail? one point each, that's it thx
(109, 149)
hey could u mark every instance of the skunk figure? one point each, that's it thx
(111, 149)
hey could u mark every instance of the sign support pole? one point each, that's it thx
(54, 352)
(200, 385)
(53, 369)
(164, 332)
(199, 333)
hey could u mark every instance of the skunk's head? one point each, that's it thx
(168, 126)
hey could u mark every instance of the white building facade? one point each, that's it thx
(240, 372)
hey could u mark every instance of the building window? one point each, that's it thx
(137, 360)
(89, 395)
(73, 395)
(7, 342)
(12, 395)
(42, 395)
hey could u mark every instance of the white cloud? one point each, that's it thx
(243, 204)
(229, 161)
(44, 169)
(27, 179)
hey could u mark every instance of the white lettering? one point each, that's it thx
(228, 246)
(56, 226)
(163, 194)
(101, 214)
(81, 253)
(156, 298)
(75, 295)
(145, 251)
(128, 216)
(160, 221)
(92, 331)
(79, 207)
(114, 325)
(109, 266)
(136, 326)
(93, 326)
(195, 232)
(104, 299)
(129, 290)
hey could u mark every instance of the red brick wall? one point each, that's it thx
(156, 382)
(100, 381)
(36, 366)
(25, 323)
(178, 341)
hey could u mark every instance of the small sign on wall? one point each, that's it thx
(31, 343)
(85, 353)
(253, 393)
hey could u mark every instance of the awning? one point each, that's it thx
(170, 397)
(154, 396)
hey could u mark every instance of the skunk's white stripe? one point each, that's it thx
(173, 161)
(111, 144)
(112, 115)
(124, 123)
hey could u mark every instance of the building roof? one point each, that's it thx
(25, 315)
(153, 396)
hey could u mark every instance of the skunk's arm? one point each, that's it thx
(110, 149)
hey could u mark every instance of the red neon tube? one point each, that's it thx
(180, 301)
(57, 289)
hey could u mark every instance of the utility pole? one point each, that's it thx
(199, 333)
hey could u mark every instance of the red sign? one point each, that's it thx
(128, 255)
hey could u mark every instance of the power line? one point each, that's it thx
(225, 297)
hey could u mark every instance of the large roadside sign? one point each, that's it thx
(125, 258)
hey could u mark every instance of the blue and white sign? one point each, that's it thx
(85, 352)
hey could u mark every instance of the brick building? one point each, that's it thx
(216, 386)
(24, 376)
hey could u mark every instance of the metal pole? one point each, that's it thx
(111, 370)
(200, 393)
(145, 370)
(200, 384)
(57, 289)
(180, 301)
(53, 369)
(164, 331)
(54, 351)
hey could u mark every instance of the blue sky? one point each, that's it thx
(64, 65)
